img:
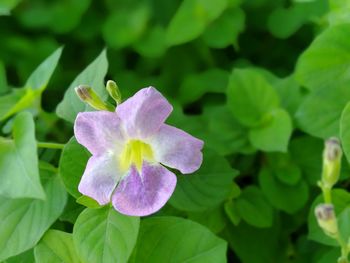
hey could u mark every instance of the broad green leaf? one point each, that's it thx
(92, 76)
(125, 26)
(326, 60)
(7, 5)
(88, 202)
(250, 96)
(341, 201)
(152, 43)
(178, 239)
(274, 134)
(320, 113)
(103, 235)
(24, 221)
(191, 20)
(25, 257)
(19, 172)
(56, 247)
(28, 97)
(224, 31)
(207, 187)
(214, 219)
(254, 208)
(71, 210)
(72, 165)
(3, 80)
(196, 85)
(306, 152)
(344, 223)
(288, 198)
(231, 211)
(345, 131)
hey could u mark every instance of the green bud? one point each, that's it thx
(332, 155)
(326, 219)
(114, 91)
(89, 96)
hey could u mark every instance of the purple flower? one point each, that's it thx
(129, 148)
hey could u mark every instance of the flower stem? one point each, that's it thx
(50, 145)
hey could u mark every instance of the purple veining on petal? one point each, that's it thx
(177, 149)
(100, 178)
(99, 131)
(145, 193)
(144, 113)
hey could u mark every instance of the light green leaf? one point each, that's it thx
(25, 257)
(178, 239)
(56, 247)
(196, 85)
(327, 60)
(19, 172)
(224, 31)
(214, 219)
(274, 134)
(288, 198)
(7, 5)
(254, 208)
(345, 131)
(103, 235)
(207, 187)
(92, 76)
(88, 202)
(191, 19)
(18, 216)
(250, 96)
(320, 113)
(72, 165)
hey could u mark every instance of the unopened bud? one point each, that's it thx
(332, 155)
(113, 91)
(326, 219)
(89, 96)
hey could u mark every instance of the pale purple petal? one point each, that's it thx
(177, 149)
(144, 113)
(100, 178)
(99, 131)
(145, 193)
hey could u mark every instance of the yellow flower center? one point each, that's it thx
(134, 152)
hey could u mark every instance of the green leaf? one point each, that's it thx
(224, 31)
(250, 96)
(341, 201)
(232, 212)
(207, 187)
(327, 60)
(18, 216)
(3, 80)
(345, 131)
(152, 43)
(71, 210)
(56, 247)
(254, 208)
(19, 172)
(25, 257)
(88, 202)
(7, 5)
(320, 113)
(214, 219)
(92, 76)
(103, 235)
(344, 223)
(29, 96)
(191, 20)
(288, 198)
(72, 165)
(274, 134)
(178, 239)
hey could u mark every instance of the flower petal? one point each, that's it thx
(144, 113)
(143, 194)
(99, 131)
(177, 149)
(100, 178)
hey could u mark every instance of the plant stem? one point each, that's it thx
(50, 145)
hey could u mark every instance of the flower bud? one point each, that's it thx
(332, 155)
(326, 219)
(114, 91)
(89, 96)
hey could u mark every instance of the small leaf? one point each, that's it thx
(72, 165)
(92, 76)
(88, 202)
(345, 130)
(103, 235)
(207, 187)
(250, 96)
(17, 216)
(19, 172)
(178, 239)
(56, 247)
(273, 135)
